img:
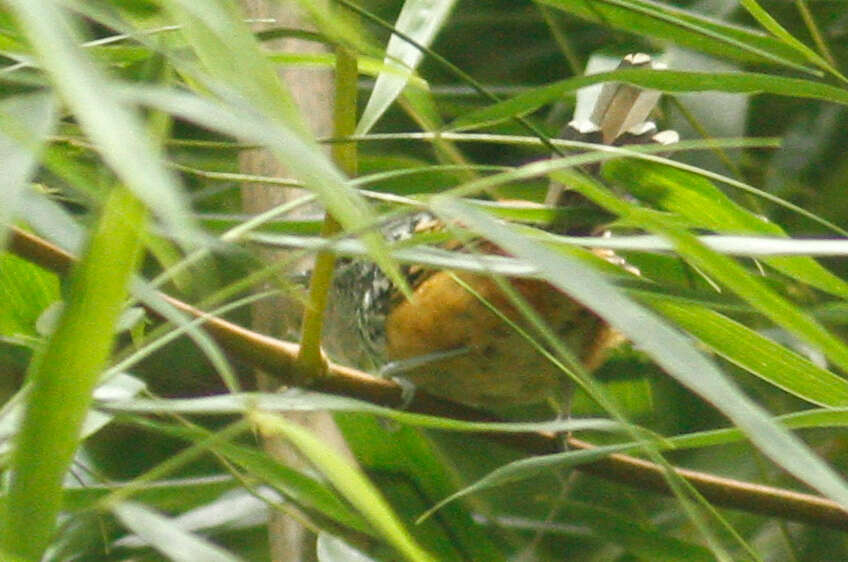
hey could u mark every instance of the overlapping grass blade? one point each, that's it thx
(669, 81)
(685, 28)
(348, 480)
(757, 354)
(697, 200)
(668, 347)
(116, 128)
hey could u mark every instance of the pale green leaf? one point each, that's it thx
(420, 20)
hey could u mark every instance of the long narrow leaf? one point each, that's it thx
(227, 48)
(348, 480)
(299, 155)
(669, 81)
(117, 129)
(669, 348)
(421, 21)
(64, 376)
(756, 353)
(772, 25)
(705, 206)
(682, 27)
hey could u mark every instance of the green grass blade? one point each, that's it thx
(668, 347)
(757, 354)
(420, 20)
(684, 28)
(668, 81)
(348, 480)
(299, 155)
(116, 129)
(165, 535)
(300, 401)
(305, 490)
(722, 269)
(227, 48)
(411, 455)
(231, 53)
(729, 273)
(64, 376)
(170, 494)
(701, 203)
(772, 25)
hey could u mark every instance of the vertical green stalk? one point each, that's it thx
(817, 36)
(63, 377)
(559, 36)
(310, 362)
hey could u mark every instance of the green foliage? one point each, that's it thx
(143, 444)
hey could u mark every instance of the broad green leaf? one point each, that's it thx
(165, 535)
(419, 20)
(722, 269)
(404, 454)
(25, 291)
(668, 81)
(685, 28)
(729, 273)
(25, 121)
(669, 348)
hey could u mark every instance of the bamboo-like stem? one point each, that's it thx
(310, 361)
(64, 374)
(278, 357)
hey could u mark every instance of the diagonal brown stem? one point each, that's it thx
(278, 357)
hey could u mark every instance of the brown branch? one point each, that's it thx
(278, 357)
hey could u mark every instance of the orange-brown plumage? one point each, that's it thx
(499, 365)
(470, 353)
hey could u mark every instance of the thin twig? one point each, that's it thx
(278, 358)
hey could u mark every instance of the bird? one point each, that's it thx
(456, 336)
(460, 335)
